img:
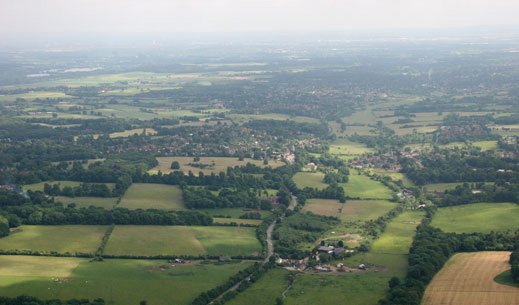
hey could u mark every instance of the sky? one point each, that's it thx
(129, 16)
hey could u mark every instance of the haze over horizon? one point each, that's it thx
(133, 16)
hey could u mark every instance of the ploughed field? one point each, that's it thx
(468, 278)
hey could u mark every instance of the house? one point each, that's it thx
(325, 249)
(338, 251)
(311, 166)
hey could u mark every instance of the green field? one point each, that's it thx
(225, 220)
(152, 196)
(84, 202)
(325, 207)
(119, 282)
(477, 217)
(213, 164)
(127, 133)
(265, 291)
(395, 176)
(485, 145)
(182, 240)
(61, 239)
(307, 179)
(39, 186)
(361, 186)
(389, 256)
(345, 147)
(365, 209)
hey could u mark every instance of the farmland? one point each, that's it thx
(211, 164)
(362, 187)
(152, 196)
(60, 239)
(265, 291)
(307, 179)
(121, 282)
(182, 240)
(468, 278)
(477, 217)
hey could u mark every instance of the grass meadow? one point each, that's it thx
(84, 202)
(362, 187)
(152, 196)
(60, 239)
(118, 282)
(477, 217)
(308, 179)
(182, 240)
(265, 291)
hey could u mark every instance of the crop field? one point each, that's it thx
(307, 179)
(84, 202)
(325, 207)
(182, 240)
(345, 147)
(61, 239)
(477, 217)
(468, 278)
(119, 282)
(388, 254)
(240, 118)
(33, 95)
(152, 196)
(265, 291)
(362, 187)
(212, 164)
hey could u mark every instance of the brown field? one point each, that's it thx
(468, 278)
(215, 164)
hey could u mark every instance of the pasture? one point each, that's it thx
(477, 217)
(468, 278)
(365, 209)
(60, 239)
(395, 176)
(119, 282)
(485, 145)
(84, 202)
(152, 196)
(265, 291)
(308, 179)
(182, 240)
(208, 165)
(362, 187)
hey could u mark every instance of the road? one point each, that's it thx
(270, 247)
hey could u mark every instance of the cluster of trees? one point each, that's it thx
(203, 198)
(479, 192)
(341, 176)
(514, 262)
(289, 129)
(40, 210)
(442, 166)
(84, 189)
(300, 228)
(333, 191)
(27, 300)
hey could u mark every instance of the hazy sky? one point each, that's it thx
(249, 15)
